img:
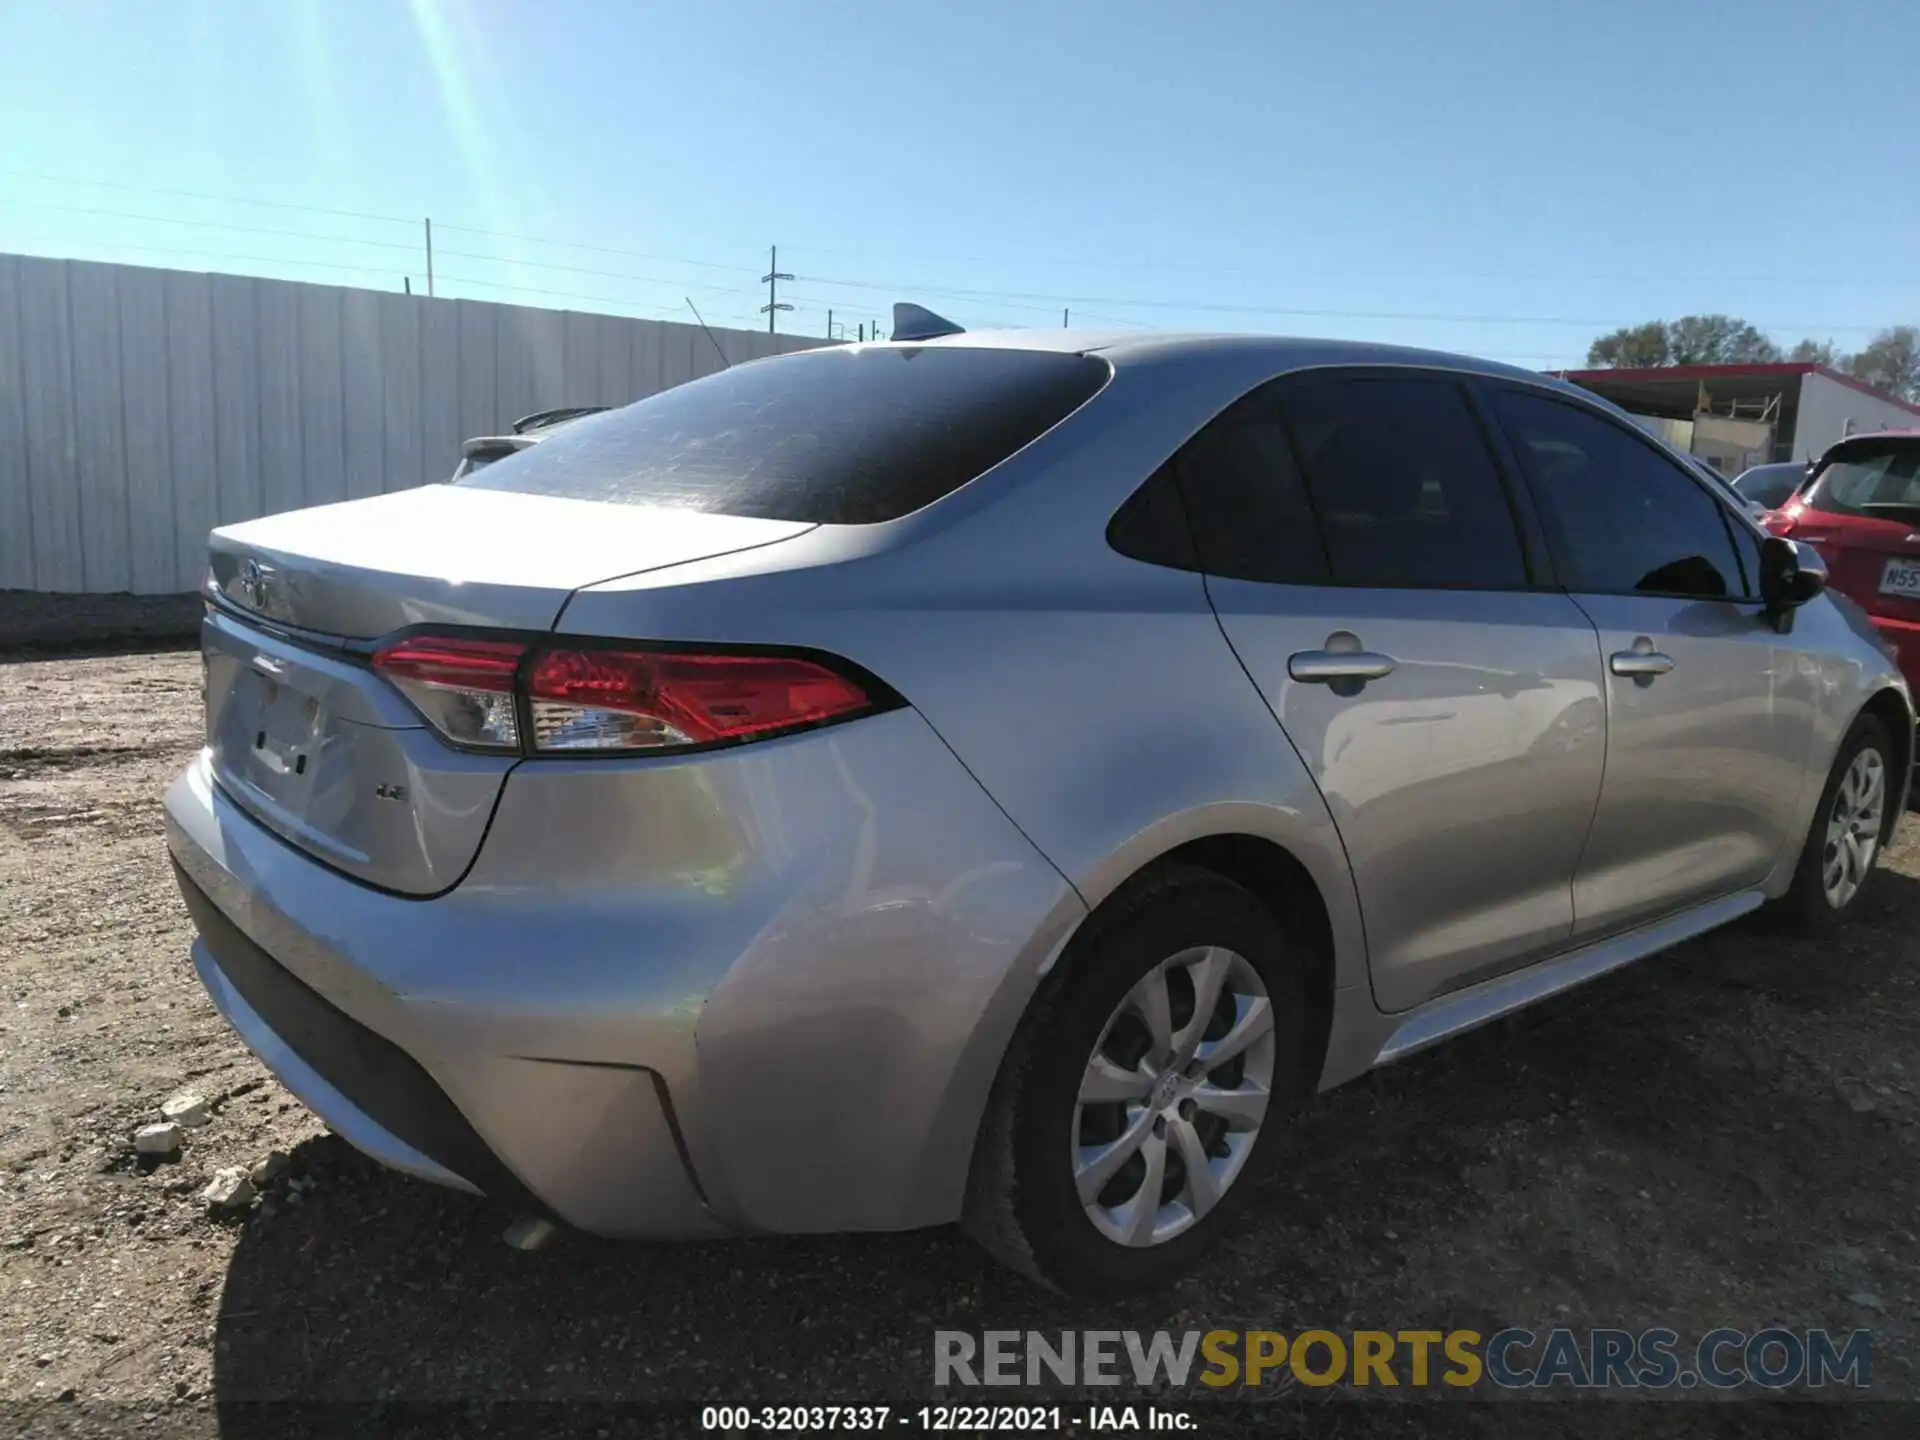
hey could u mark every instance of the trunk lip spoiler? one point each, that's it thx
(343, 647)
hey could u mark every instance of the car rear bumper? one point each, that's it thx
(763, 989)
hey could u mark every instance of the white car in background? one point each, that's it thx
(483, 450)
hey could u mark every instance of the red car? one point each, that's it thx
(1860, 508)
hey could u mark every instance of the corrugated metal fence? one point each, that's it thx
(139, 408)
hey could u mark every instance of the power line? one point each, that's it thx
(202, 195)
(411, 247)
(1036, 301)
(238, 259)
(603, 249)
(210, 224)
(581, 269)
(1084, 262)
(356, 215)
(1055, 299)
(644, 307)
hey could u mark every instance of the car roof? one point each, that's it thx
(1287, 351)
(1236, 352)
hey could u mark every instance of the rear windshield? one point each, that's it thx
(1872, 480)
(839, 436)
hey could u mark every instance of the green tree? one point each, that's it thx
(1817, 352)
(1718, 340)
(1632, 347)
(1891, 362)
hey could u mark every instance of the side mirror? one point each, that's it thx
(1791, 574)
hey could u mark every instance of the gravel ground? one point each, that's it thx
(1727, 1136)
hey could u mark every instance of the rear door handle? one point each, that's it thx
(1342, 659)
(1640, 663)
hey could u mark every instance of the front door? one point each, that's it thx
(1363, 556)
(1707, 733)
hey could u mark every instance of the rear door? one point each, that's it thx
(1366, 562)
(1708, 730)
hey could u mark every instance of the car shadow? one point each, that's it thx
(1659, 1105)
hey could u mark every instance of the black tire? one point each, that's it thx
(1021, 1202)
(1806, 909)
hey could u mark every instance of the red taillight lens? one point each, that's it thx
(652, 700)
(463, 687)
(612, 699)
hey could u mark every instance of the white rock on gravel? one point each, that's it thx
(189, 1109)
(161, 1139)
(266, 1171)
(230, 1189)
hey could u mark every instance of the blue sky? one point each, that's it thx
(1498, 177)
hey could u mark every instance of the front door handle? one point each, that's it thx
(1642, 662)
(1343, 658)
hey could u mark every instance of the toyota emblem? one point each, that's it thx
(253, 585)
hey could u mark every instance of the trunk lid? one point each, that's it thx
(456, 555)
(312, 743)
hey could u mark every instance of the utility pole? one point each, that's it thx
(429, 255)
(863, 332)
(772, 280)
(1063, 319)
(829, 324)
(406, 283)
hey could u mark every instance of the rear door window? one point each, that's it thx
(1406, 490)
(837, 436)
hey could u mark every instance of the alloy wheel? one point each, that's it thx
(1173, 1096)
(1853, 827)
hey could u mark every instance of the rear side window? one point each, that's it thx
(1621, 517)
(1875, 481)
(1247, 501)
(1404, 485)
(840, 436)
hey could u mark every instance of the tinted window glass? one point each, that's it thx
(840, 436)
(1620, 516)
(1874, 480)
(1404, 485)
(1152, 525)
(1243, 493)
(1746, 545)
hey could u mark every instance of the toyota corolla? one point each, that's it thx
(995, 777)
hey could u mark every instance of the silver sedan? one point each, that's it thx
(995, 777)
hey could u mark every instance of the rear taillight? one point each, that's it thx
(615, 700)
(649, 700)
(463, 687)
